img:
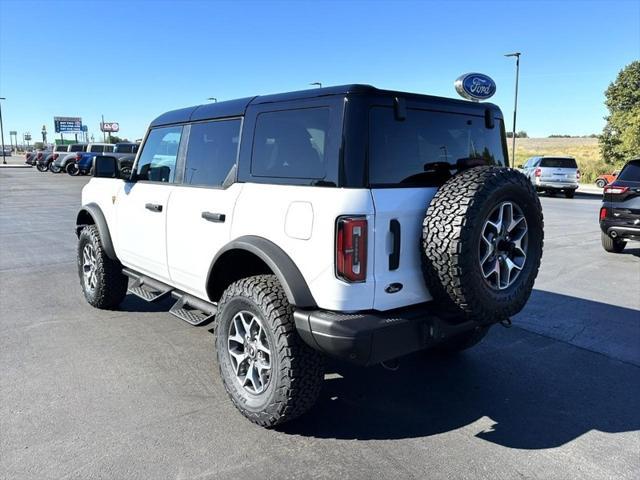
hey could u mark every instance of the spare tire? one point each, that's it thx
(482, 242)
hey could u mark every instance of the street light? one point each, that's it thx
(515, 104)
(318, 84)
(215, 100)
(4, 159)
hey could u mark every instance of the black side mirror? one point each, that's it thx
(105, 167)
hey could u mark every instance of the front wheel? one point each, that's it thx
(600, 183)
(53, 168)
(72, 169)
(271, 375)
(611, 245)
(42, 167)
(103, 283)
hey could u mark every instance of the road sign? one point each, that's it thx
(68, 124)
(109, 127)
(27, 137)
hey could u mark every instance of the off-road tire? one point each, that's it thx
(601, 183)
(42, 167)
(569, 193)
(450, 243)
(463, 342)
(111, 286)
(297, 371)
(612, 245)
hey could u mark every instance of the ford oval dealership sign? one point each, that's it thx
(475, 86)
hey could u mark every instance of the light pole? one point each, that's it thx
(4, 159)
(214, 99)
(317, 84)
(515, 105)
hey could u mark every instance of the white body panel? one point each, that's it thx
(192, 241)
(177, 245)
(408, 206)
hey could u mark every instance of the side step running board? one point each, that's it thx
(146, 288)
(188, 308)
(192, 310)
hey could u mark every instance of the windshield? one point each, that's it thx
(427, 147)
(559, 162)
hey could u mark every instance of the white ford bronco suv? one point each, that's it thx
(348, 221)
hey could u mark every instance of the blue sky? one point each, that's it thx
(132, 60)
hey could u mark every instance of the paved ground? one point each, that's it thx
(133, 393)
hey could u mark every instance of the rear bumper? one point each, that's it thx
(624, 232)
(557, 185)
(373, 337)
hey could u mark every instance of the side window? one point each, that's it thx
(157, 162)
(97, 148)
(108, 148)
(212, 152)
(291, 143)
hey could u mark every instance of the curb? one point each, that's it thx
(8, 165)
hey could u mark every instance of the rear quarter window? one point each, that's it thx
(631, 172)
(427, 146)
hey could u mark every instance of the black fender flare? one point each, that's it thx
(94, 211)
(293, 283)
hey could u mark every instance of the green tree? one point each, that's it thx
(620, 138)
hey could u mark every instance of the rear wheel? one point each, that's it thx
(53, 168)
(271, 375)
(611, 245)
(42, 167)
(600, 183)
(569, 193)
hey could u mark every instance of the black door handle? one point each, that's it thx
(214, 217)
(154, 207)
(394, 257)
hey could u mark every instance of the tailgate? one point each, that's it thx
(399, 212)
(559, 174)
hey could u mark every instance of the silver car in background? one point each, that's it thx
(553, 174)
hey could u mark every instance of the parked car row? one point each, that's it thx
(77, 158)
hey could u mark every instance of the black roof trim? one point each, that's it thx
(234, 108)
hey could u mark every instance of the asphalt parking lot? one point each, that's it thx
(134, 393)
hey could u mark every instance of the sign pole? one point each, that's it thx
(4, 159)
(104, 137)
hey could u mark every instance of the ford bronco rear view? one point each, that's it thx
(349, 222)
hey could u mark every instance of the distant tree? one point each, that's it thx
(115, 139)
(38, 145)
(620, 138)
(520, 134)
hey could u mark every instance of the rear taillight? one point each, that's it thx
(39, 156)
(55, 156)
(351, 248)
(78, 157)
(603, 213)
(578, 174)
(538, 172)
(615, 190)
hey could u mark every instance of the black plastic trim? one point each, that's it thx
(294, 284)
(394, 256)
(101, 223)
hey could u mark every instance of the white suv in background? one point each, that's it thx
(348, 221)
(553, 174)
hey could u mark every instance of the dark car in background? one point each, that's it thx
(620, 211)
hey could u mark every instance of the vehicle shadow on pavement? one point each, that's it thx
(516, 389)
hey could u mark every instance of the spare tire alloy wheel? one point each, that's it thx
(502, 251)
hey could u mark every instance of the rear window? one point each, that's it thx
(631, 172)
(291, 144)
(558, 162)
(78, 148)
(427, 147)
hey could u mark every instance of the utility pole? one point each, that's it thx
(4, 159)
(515, 106)
(104, 137)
